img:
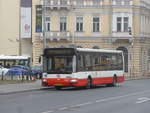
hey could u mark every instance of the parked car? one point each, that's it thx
(19, 70)
(3, 70)
(37, 71)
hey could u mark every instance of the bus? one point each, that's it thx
(82, 67)
(9, 61)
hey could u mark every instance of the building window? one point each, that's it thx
(126, 24)
(118, 2)
(63, 2)
(47, 23)
(63, 23)
(79, 24)
(38, 18)
(127, 2)
(96, 2)
(122, 24)
(47, 2)
(79, 2)
(96, 24)
(119, 19)
(55, 2)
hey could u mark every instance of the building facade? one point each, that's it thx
(12, 39)
(106, 24)
(9, 31)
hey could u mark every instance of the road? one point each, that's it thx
(128, 97)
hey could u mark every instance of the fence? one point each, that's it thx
(16, 77)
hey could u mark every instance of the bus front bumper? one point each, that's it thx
(63, 82)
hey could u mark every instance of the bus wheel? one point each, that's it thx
(89, 83)
(58, 87)
(114, 83)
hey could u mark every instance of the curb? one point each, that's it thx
(22, 91)
(15, 92)
(129, 79)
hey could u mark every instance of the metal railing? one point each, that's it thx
(57, 35)
(57, 3)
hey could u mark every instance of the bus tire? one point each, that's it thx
(89, 83)
(58, 87)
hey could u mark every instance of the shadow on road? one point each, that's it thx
(78, 88)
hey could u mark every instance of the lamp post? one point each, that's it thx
(132, 45)
(132, 52)
(2, 73)
(43, 22)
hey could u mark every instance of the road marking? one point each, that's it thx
(141, 100)
(63, 108)
(83, 104)
(48, 112)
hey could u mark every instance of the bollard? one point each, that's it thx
(2, 75)
(22, 76)
(18, 77)
(11, 76)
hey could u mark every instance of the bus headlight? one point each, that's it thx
(73, 80)
(44, 80)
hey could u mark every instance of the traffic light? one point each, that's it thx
(129, 31)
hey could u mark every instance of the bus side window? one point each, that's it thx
(80, 63)
(88, 62)
(95, 62)
(105, 62)
(49, 64)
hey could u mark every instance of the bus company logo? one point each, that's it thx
(58, 76)
(45, 75)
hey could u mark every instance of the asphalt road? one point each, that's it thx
(128, 97)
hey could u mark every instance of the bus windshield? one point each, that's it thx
(59, 64)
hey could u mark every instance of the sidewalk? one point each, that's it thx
(14, 88)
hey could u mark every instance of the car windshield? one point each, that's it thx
(59, 64)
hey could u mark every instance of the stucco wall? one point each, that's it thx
(9, 27)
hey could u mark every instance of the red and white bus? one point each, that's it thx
(82, 67)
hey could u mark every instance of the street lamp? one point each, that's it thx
(129, 30)
(132, 51)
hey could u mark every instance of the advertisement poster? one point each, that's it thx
(26, 18)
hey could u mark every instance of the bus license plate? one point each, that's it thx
(58, 85)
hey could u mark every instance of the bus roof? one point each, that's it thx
(53, 50)
(98, 50)
(3, 57)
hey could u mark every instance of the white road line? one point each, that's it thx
(123, 96)
(63, 108)
(142, 100)
(83, 104)
(99, 101)
(48, 112)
